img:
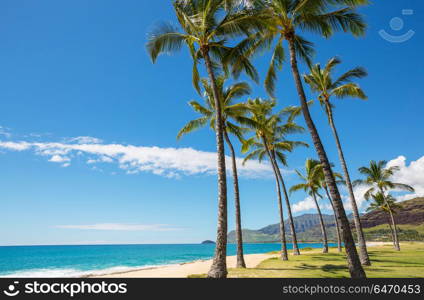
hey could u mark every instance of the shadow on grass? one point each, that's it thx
(329, 268)
(271, 269)
(333, 268)
(333, 258)
(396, 263)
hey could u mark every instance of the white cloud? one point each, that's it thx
(120, 227)
(84, 140)
(167, 162)
(59, 159)
(412, 174)
(359, 198)
(309, 205)
(5, 132)
(20, 146)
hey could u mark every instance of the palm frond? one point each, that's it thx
(192, 126)
(347, 77)
(349, 90)
(164, 38)
(276, 64)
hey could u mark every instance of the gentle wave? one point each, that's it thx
(74, 273)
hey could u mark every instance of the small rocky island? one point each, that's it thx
(207, 242)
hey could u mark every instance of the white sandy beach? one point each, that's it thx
(198, 267)
(183, 270)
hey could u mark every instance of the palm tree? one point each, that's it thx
(205, 26)
(324, 17)
(277, 144)
(320, 80)
(377, 178)
(259, 122)
(230, 111)
(323, 185)
(266, 127)
(388, 205)
(311, 183)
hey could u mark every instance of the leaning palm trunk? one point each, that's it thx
(339, 239)
(239, 238)
(396, 244)
(363, 253)
(389, 221)
(286, 197)
(219, 265)
(321, 221)
(284, 255)
(354, 264)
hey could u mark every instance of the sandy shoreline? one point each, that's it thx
(196, 267)
(184, 269)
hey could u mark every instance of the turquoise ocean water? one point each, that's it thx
(74, 261)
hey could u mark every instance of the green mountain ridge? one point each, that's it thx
(410, 220)
(307, 229)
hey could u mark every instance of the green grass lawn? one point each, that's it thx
(386, 263)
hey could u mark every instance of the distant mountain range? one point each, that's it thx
(410, 221)
(412, 213)
(307, 229)
(410, 218)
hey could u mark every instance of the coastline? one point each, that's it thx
(183, 270)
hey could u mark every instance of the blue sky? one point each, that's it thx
(74, 69)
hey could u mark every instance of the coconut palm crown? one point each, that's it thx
(204, 27)
(378, 178)
(320, 80)
(229, 109)
(383, 202)
(287, 18)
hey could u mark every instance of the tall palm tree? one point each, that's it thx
(387, 204)
(320, 80)
(311, 183)
(204, 27)
(324, 17)
(230, 111)
(378, 179)
(277, 144)
(266, 126)
(259, 122)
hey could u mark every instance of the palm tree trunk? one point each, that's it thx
(286, 197)
(284, 255)
(339, 239)
(219, 265)
(396, 244)
(395, 235)
(239, 239)
(363, 253)
(321, 221)
(354, 264)
(389, 221)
